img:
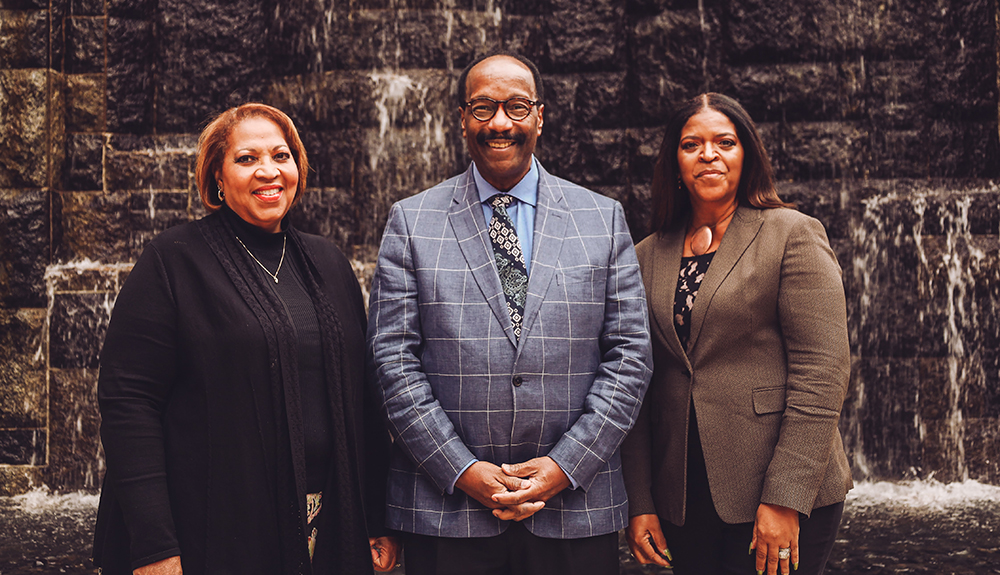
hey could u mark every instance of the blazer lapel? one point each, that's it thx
(465, 216)
(550, 227)
(740, 233)
(663, 287)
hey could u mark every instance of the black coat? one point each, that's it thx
(201, 420)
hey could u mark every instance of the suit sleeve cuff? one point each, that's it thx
(573, 482)
(451, 488)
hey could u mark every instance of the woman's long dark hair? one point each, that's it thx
(671, 204)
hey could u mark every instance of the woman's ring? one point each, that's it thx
(784, 552)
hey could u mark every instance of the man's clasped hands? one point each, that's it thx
(514, 491)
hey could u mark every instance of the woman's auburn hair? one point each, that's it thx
(215, 137)
(671, 204)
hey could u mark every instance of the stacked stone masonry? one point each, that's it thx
(881, 119)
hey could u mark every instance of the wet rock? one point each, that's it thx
(91, 226)
(24, 38)
(331, 213)
(823, 200)
(84, 168)
(22, 447)
(137, 9)
(85, 45)
(880, 119)
(23, 392)
(77, 325)
(220, 41)
(24, 247)
(130, 75)
(147, 170)
(800, 92)
(24, 100)
(676, 54)
(152, 212)
(601, 101)
(580, 40)
(76, 459)
(819, 150)
(87, 7)
(85, 103)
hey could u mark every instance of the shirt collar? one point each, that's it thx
(525, 191)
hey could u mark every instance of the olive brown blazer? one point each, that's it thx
(767, 369)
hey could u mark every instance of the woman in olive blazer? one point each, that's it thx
(737, 442)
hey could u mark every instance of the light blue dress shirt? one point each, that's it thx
(521, 212)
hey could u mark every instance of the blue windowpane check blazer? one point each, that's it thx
(455, 383)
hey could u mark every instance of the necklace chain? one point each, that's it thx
(274, 276)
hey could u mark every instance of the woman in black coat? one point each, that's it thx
(238, 434)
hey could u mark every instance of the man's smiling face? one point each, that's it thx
(501, 147)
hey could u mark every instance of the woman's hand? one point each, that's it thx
(168, 566)
(645, 539)
(776, 528)
(385, 553)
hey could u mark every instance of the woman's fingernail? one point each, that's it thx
(760, 572)
(666, 551)
(750, 552)
(795, 566)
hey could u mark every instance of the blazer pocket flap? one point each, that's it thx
(582, 274)
(768, 400)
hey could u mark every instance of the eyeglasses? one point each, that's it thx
(517, 109)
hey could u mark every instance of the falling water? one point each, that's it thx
(924, 315)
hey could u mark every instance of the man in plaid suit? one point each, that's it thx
(509, 340)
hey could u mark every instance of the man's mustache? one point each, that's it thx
(517, 138)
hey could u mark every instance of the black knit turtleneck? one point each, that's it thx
(267, 248)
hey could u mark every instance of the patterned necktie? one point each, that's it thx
(509, 260)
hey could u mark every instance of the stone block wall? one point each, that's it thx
(881, 119)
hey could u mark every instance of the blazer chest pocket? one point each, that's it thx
(584, 283)
(768, 400)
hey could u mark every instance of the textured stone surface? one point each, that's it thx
(23, 99)
(76, 331)
(85, 45)
(91, 226)
(23, 4)
(130, 74)
(667, 45)
(880, 118)
(83, 169)
(22, 381)
(131, 8)
(22, 447)
(24, 38)
(76, 459)
(328, 212)
(87, 7)
(19, 479)
(147, 169)
(202, 62)
(152, 212)
(24, 247)
(85, 102)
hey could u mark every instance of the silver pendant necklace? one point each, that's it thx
(274, 276)
(701, 239)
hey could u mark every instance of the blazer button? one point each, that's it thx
(516, 380)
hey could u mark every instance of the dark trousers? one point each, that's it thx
(514, 552)
(706, 544)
